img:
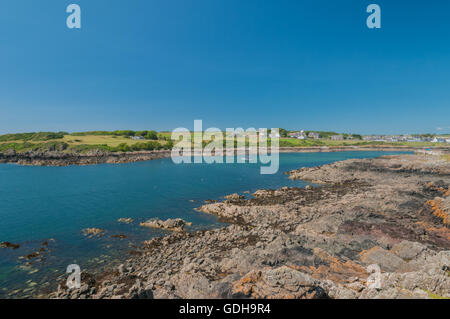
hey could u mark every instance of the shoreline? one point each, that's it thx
(305, 243)
(56, 158)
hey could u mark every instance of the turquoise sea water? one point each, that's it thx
(53, 205)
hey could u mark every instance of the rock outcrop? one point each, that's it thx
(369, 232)
(176, 224)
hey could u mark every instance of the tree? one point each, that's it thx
(283, 132)
(123, 147)
(152, 135)
(141, 133)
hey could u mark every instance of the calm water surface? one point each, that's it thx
(40, 205)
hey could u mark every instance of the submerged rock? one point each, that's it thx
(33, 255)
(125, 220)
(7, 244)
(93, 232)
(120, 236)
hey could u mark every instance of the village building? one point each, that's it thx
(298, 135)
(439, 140)
(314, 135)
(339, 137)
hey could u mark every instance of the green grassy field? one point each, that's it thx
(110, 140)
(79, 143)
(114, 141)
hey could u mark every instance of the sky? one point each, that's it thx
(161, 64)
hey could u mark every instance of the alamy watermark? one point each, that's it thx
(235, 145)
(374, 19)
(74, 279)
(73, 21)
(374, 279)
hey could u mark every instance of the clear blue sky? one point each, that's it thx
(160, 64)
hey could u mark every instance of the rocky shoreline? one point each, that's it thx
(58, 158)
(62, 158)
(317, 242)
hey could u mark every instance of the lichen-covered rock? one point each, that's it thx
(282, 282)
(408, 250)
(385, 259)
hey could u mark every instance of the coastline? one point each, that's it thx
(55, 158)
(60, 158)
(305, 243)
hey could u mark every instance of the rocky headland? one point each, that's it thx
(61, 158)
(390, 213)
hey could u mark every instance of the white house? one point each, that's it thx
(314, 135)
(439, 140)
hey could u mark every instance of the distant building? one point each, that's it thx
(339, 137)
(374, 138)
(392, 138)
(415, 139)
(299, 135)
(314, 135)
(439, 140)
(137, 138)
(349, 137)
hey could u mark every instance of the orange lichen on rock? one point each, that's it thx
(442, 190)
(244, 286)
(279, 283)
(438, 211)
(365, 253)
(442, 232)
(333, 268)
